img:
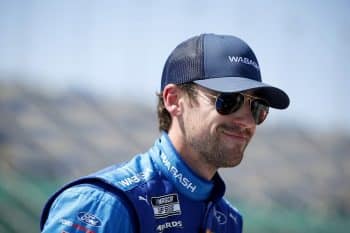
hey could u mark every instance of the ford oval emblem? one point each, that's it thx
(89, 219)
(220, 217)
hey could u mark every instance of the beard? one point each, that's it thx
(215, 151)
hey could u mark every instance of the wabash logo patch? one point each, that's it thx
(165, 206)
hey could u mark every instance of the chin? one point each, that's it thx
(233, 163)
(236, 163)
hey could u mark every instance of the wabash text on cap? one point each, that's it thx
(221, 63)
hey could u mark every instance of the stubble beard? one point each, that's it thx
(213, 151)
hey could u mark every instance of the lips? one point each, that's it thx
(236, 135)
(236, 132)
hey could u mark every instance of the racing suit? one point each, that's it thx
(154, 192)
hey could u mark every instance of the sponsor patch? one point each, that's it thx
(66, 222)
(141, 198)
(89, 219)
(165, 206)
(82, 228)
(76, 226)
(178, 176)
(234, 218)
(137, 178)
(169, 225)
(220, 217)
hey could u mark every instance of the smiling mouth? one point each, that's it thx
(235, 132)
(235, 135)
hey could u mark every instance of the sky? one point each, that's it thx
(118, 48)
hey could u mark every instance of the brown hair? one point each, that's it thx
(164, 118)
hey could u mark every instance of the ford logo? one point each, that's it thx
(89, 219)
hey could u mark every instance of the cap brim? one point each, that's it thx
(274, 96)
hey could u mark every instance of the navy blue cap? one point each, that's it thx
(221, 63)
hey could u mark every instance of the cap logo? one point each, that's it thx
(244, 60)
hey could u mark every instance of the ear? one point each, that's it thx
(171, 97)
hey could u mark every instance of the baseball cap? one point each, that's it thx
(222, 63)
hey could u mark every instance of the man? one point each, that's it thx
(211, 100)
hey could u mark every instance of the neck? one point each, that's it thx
(191, 157)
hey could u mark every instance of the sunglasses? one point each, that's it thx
(227, 103)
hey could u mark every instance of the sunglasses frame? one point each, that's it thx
(239, 103)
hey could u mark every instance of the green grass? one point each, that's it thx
(21, 201)
(279, 219)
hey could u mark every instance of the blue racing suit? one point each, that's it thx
(154, 192)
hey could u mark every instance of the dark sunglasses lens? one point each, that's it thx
(259, 109)
(228, 103)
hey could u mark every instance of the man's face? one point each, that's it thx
(220, 140)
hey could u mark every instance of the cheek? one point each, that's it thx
(195, 121)
(206, 122)
(201, 119)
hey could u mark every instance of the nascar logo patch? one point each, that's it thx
(165, 206)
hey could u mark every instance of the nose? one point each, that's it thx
(244, 116)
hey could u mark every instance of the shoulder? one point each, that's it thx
(83, 192)
(228, 205)
(79, 197)
(231, 212)
(89, 209)
(138, 170)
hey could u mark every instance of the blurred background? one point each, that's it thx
(77, 93)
